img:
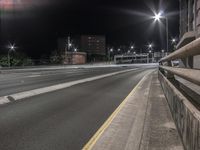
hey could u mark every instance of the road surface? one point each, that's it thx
(63, 119)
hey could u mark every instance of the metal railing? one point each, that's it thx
(166, 65)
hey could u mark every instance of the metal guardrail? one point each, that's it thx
(188, 74)
(192, 75)
(190, 49)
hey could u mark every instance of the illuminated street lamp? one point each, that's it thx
(158, 17)
(150, 46)
(11, 48)
(75, 50)
(173, 40)
(109, 52)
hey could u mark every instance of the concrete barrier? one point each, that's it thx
(185, 115)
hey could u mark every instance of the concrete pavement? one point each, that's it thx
(144, 122)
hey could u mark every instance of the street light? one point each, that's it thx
(75, 50)
(11, 47)
(158, 17)
(110, 51)
(132, 47)
(150, 46)
(173, 40)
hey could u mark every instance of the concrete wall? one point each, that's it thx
(185, 115)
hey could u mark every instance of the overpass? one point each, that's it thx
(102, 107)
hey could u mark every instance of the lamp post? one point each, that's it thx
(173, 42)
(158, 17)
(11, 48)
(110, 51)
(150, 47)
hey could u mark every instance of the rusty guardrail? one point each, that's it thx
(192, 75)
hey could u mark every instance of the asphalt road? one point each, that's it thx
(19, 81)
(64, 119)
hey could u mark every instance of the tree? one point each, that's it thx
(56, 58)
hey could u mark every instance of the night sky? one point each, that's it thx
(35, 26)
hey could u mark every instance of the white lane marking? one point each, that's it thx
(26, 94)
(33, 76)
(4, 100)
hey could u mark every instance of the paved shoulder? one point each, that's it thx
(144, 122)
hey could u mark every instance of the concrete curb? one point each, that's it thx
(27, 94)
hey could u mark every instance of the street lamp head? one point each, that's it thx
(75, 49)
(11, 47)
(132, 47)
(150, 45)
(157, 16)
(173, 40)
(111, 50)
(119, 50)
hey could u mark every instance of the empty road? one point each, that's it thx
(63, 119)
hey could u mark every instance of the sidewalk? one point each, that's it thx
(143, 123)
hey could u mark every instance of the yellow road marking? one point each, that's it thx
(101, 130)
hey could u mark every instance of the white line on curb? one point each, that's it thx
(26, 94)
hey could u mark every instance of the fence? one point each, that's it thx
(185, 114)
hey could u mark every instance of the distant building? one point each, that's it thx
(189, 28)
(93, 45)
(75, 58)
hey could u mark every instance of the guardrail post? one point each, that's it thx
(168, 74)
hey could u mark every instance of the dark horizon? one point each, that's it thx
(35, 29)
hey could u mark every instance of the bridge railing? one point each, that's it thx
(166, 64)
(185, 113)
